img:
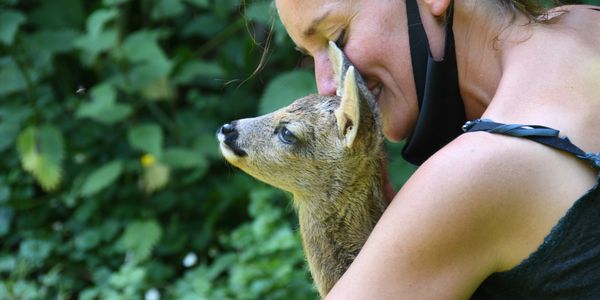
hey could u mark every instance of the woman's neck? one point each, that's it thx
(484, 38)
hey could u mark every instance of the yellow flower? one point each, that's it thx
(147, 160)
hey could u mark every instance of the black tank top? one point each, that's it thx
(567, 264)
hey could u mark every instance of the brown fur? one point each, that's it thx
(337, 184)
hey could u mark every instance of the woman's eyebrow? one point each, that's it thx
(315, 23)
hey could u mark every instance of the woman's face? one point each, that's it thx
(374, 36)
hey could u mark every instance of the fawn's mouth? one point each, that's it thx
(227, 136)
(229, 149)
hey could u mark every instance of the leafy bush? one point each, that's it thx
(111, 171)
(112, 186)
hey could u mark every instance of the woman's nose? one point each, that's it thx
(325, 78)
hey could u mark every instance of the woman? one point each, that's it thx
(483, 216)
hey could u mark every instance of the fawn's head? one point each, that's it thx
(314, 140)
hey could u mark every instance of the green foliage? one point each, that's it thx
(261, 259)
(112, 186)
(111, 170)
(101, 178)
(42, 151)
(296, 84)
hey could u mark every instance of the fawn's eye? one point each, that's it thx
(286, 136)
(341, 40)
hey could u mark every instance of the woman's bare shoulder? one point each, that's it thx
(444, 229)
(470, 210)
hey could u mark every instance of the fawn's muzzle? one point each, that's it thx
(228, 135)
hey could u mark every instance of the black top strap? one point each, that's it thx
(541, 134)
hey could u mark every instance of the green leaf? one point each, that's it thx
(10, 20)
(198, 69)
(207, 146)
(57, 14)
(106, 115)
(140, 237)
(160, 89)
(35, 251)
(142, 47)
(52, 41)
(48, 43)
(286, 88)
(166, 9)
(41, 151)
(114, 2)
(6, 217)
(7, 263)
(155, 177)
(93, 45)
(11, 77)
(101, 178)
(4, 193)
(11, 119)
(261, 12)
(204, 25)
(103, 107)
(178, 157)
(147, 138)
(199, 3)
(87, 239)
(97, 20)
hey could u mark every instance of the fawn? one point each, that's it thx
(327, 151)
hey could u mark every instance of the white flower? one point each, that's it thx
(190, 259)
(152, 294)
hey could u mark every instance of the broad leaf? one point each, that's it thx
(165, 9)
(11, 78)
(198, 69)
(199, 3)
(103, 107)
(93, 45)
(286, 88)
(34, 251)
(10, 20)
(97, 20)
(142, 46)
(6, 218)
(114, 2)
(41, 151)
(11, 119)
(102, 178)
(178, 157)
(147, 138)
(140, 237)
(155, 177)
(262, 12)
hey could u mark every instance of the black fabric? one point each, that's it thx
(441, 110)
(541, 134)
(567, 264)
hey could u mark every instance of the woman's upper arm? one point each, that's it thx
(440, 237)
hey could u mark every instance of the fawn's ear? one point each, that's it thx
(348, 113)
(336, 56)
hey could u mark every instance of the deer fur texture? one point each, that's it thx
(328, 152)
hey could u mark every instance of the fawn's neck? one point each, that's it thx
(335, 224)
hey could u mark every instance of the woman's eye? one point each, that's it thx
(341, 40)
(286, 136)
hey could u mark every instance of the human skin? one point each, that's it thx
(484, 202)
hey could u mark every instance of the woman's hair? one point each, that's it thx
(532, 9)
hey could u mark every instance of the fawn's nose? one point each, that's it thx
(227, 129)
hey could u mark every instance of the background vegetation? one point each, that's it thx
(111, 184)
